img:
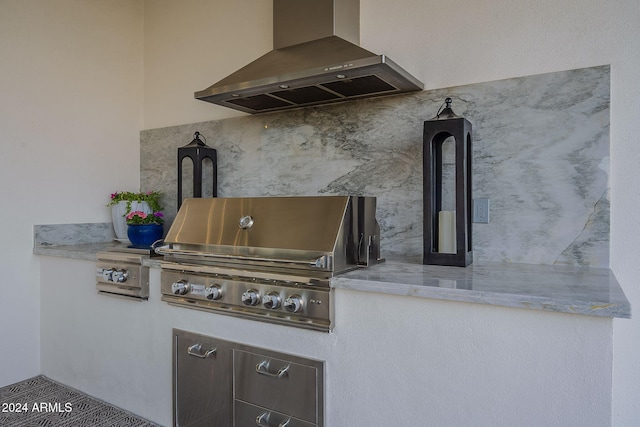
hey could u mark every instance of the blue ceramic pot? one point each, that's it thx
(144, 234)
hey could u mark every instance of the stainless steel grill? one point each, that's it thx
(267, 258)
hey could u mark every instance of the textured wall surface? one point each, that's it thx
(541, 155)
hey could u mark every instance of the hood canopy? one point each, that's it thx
(316, 61)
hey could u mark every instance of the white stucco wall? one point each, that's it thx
(424, 363)
(70, 115)
(191, 45)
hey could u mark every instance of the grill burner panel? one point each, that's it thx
(215, 289)
(120, 272)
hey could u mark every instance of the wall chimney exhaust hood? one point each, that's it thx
(316, 60)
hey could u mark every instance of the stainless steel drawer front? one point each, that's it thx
(202, 381)
(222, 383)
(252, 415)
(277, 384)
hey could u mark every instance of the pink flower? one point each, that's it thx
(141, 214)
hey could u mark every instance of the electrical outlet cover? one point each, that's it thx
(481, 211)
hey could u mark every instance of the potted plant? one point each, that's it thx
(124, 202)
(144, 228)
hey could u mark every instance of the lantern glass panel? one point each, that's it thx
(207, 177)
(187, 178)
(444, 236)
(449, 174)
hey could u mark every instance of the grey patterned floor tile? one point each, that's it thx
(41, 402)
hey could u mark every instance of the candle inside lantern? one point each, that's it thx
(447, 232)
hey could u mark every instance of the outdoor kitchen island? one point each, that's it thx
(533, 347)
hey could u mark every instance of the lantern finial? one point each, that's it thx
(446, 112)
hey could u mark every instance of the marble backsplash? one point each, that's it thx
(540, 154)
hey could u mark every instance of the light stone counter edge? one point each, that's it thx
(587, 291)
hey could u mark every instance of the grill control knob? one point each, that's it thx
(107, 274)
(213, 292)
(250, 297)
(180, 287)
(271, 300)
(119, 276)
(293, 303)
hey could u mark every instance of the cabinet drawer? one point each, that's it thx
(283, 385)
(202, 381)
(252, 415)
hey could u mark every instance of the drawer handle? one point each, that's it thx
(263, 369)
(264, 417)
(194, 350)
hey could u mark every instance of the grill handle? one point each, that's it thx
(156, 244)
(320, 262)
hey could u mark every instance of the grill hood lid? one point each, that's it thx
(320, 233)
(316, 60)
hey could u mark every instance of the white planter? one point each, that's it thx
(118, 212)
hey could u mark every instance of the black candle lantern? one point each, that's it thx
(198, 152)
(447, 189)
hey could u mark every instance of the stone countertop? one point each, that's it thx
(88, 251)
(85, 251)
(575, 290)
(79, 241)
